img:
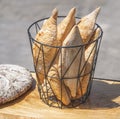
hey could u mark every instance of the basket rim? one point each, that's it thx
(53, 46)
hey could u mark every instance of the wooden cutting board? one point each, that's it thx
(103, 103)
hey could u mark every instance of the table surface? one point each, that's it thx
(103, 103)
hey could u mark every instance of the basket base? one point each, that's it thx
(52, 101)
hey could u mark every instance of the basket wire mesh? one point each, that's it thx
(47, 94)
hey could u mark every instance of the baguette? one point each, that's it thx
(89, 56)
(43, 55)
(69, 60)
(86, 25)
(58, 86)
(65, 26)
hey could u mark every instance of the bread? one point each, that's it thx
(90, 50)
(58, 86)
(43, 55)
(89, 57)
(83, 83)
(86, 25)
(14, 82)
(64, 74)
(65, 26)
(70, 60)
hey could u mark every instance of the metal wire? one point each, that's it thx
(46, 92)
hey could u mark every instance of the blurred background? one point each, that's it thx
(17, 15)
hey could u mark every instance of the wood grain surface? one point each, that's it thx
(103, 103)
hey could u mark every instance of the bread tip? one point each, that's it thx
(75, 26)
(72, 11)
(98, 9)
(75, 29)
(94, 13)
(55, 13)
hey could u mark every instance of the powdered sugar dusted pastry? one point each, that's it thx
(58, 86)
(70, 60)
(14, 81)
(65, 26)
(43, 55)
(87, 23)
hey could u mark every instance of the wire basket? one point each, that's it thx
(53, 90)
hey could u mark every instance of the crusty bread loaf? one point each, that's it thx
(14, 82)
(43, 55)
(87, 23)
(89, 56)
(58, 86)
(70, 60)
(65, 26)
(91, 47)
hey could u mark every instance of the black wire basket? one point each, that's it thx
(53, 90)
